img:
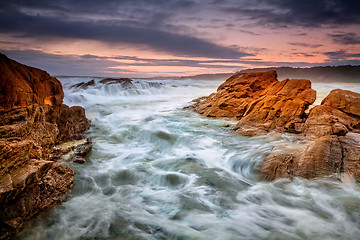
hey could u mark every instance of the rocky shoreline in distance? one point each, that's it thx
(260, 103)
(38, 133)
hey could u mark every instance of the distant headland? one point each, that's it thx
(343, 74)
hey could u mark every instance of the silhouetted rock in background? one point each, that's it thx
(122, 81)
(125, 83)
(84, 85)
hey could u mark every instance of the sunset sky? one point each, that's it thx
(146, 38)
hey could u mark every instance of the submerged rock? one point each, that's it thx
(122, 81)
(84, 85)
(32, 120)
(125, 83)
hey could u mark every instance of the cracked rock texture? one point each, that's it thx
(330, 132)
(260, 102)
(32, 120)
(333, 147)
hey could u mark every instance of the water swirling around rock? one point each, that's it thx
(159, 172)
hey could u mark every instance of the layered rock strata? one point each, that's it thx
(260, 102)
(32, 121)
(330, 132)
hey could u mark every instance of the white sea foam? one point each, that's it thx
(159, 172)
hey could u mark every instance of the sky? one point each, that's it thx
(148, 38)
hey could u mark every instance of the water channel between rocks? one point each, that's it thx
(159, 172)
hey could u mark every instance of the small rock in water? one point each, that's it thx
(122, 81)
(84, 85)
(78, 159)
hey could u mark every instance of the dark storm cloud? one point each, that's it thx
(92, 65)
(15, 21)
(300, 44)
(346, 38)
(95, 6)
(306, 13)
(341, 55)
(57, 64)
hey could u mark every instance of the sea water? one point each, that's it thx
(157, 171)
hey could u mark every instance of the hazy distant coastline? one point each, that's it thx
(328, 74)
(343, 74)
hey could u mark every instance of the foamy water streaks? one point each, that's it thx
(159, 172)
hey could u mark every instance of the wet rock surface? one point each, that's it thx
(122, 81)
(74, 151)
(125, 83)
(32, 120)
(330, 132)
(84, 85)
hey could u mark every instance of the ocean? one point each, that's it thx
(157, 171)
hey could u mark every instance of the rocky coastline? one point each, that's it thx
(36, 131)
(330, 132)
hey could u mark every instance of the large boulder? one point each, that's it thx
(346, 101)
(67, 129)
(32, 120)
(260, 102)
(332, 130)
(22, 85)
(338, 114)
(233, 96)
(328, 156)
(279, 107)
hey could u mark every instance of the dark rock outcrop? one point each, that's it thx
(84, 85)
(122, 81)
(71, 123)
(125, 83)
(32, 120)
